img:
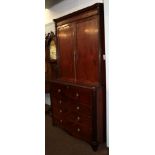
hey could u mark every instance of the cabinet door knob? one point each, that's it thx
(77, 107)
(59, 90)
(78, 129)
(60, 101)
(61, 121)
(60, 110)
(78, 118)
(77, 94)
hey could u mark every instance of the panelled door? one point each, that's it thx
(87, 51)
(65, 38)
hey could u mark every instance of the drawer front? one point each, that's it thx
(79, 94)
(70, 91)
(57, 90)
(80, 119)
(80, 131)
(84, 96)
(71, 105)
(74, 127)
(79, 107)
(59, 102)
(59, 121)
(72, 109)
(76, 117)
(60, 111)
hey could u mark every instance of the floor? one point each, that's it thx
(58, 142)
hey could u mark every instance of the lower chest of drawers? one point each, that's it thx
(72, 109)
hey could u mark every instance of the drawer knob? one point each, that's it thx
(61, 121)
(78, 118)
(60, 110)
(60, 101)
(77, 94)
(77, 107)
(59, 90)
(78, 130)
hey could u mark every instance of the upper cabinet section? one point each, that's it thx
(80, 46)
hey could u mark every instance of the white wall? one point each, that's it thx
(106, 24)
(69, 6)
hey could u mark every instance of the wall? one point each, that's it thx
(68, 6)
(106, 24)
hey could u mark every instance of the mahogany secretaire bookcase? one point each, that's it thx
(78, 95)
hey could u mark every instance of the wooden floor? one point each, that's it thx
(58, 142)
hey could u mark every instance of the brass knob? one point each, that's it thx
(77, 94)
(77, 107)
(78, 118)
(60, 110)
(78, 130)
(59, 90)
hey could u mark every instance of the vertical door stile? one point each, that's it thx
(99, 49)
(57, 49)
(75, 51)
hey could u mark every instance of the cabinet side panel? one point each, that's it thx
(101, 114)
